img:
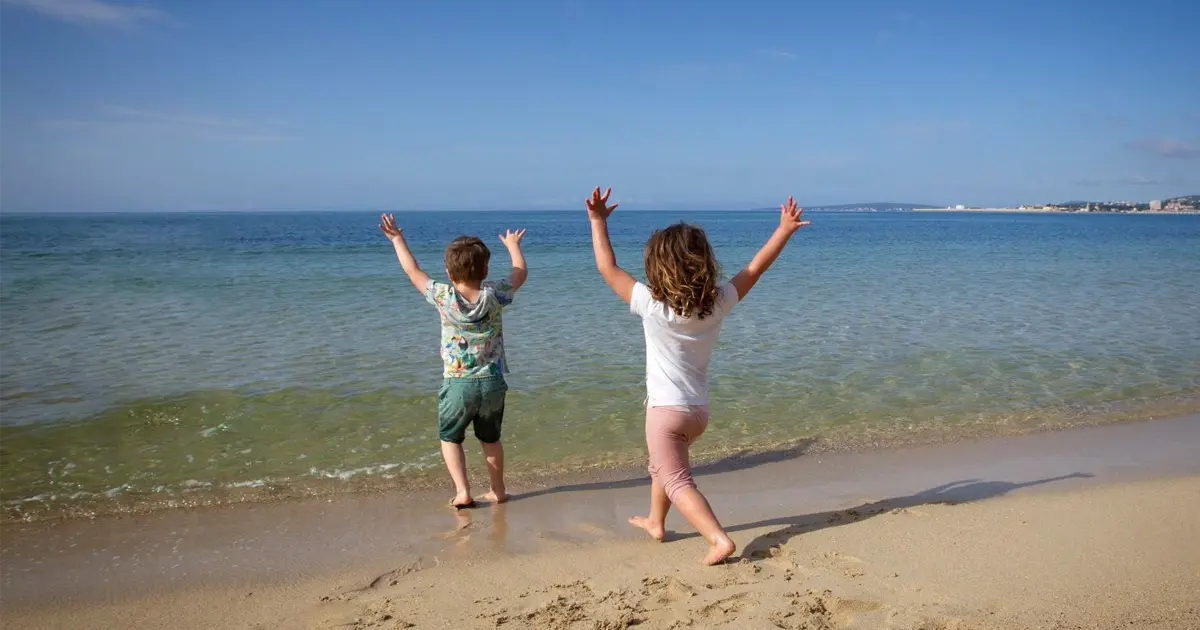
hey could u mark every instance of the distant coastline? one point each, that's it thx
(988, 210)
(1187, 204)
(1045, 211)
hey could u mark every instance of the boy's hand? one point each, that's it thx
(389, 227)
(597, 206)
(512, 238)
(789, 217)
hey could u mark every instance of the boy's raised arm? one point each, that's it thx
(512, 242)
(789, 222)
(419, 278)
(617, 278)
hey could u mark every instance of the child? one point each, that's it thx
(681, 309)
(473, 388)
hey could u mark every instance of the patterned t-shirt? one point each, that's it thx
(472, 333)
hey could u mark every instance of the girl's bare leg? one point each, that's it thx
(659, 506)
(696, 510)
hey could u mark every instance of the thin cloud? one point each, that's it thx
(822, 160)
(910, 20)
(1166, 147)
(90, 12)
(127, 120)
(696, 71)
(1140, 180)
(899, 26)
(1102, 119)
(781, 55)
(1128, 180)
(929, 130)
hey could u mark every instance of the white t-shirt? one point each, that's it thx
(678, 348)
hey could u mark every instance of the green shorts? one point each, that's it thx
(477, 402)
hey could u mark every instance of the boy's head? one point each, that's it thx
(467, 260)
(682, 270)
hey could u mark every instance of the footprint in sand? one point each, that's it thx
(595, 530)
(771, 551)
(391, 578)
(727, 609)
(743, 572)
(823, 610)
(804, 612)
(836, 555)
(381, 614)
(666, 590)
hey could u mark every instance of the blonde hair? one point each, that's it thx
(682, 270)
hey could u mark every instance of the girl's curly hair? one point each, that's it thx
(682, 270)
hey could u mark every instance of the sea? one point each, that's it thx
(157, 361)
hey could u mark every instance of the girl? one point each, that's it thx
(681, 309)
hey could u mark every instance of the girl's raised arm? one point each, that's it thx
(617, 278)
(789, 222)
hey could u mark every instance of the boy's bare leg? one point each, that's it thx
(494, 453)
(456, 463)
(659, 506)
(699, 513)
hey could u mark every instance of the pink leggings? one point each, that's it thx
(669, 433)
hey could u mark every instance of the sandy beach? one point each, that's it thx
(1088, 528)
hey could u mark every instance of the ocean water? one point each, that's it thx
(181, 359)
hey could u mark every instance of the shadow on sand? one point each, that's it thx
(946, 494)
(740, 461)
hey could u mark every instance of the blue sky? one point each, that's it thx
(141, 105)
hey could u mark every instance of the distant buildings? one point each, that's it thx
(1189, 204)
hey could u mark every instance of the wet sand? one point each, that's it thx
(1088, 528)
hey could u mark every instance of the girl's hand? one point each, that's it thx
(597, 206)
(789, 217)
(389, 227)
(512, 238)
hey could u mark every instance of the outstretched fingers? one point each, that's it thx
(790, 215)
(512, 237)
(388, 224)
(597, 204)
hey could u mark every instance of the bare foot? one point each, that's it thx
(719, 551)
(462, 502)
(495, 499)
(654, 529)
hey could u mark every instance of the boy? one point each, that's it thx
(473, 388)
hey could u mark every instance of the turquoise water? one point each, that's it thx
(150, 360)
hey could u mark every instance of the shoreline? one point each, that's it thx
(90, 567)
(837, 439)
(1040, 211)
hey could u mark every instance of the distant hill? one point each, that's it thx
(1186, 199)
(867, 207)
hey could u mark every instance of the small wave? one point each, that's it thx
(113, 492)
(211, 431)
(354, 472)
